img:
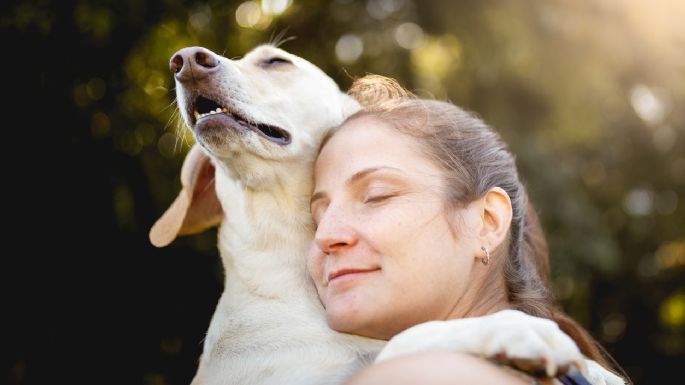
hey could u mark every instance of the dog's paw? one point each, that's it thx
(597, 375)
(532, 344)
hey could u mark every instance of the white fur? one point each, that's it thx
(597, 375)
(269, 326)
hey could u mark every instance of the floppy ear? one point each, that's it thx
(196, 208)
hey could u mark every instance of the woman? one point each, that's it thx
(421, 216)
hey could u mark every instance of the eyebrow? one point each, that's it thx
(354, 178)
(363, 173)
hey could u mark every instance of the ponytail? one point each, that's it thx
(538, 300)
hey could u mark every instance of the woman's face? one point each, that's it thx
(384, 256)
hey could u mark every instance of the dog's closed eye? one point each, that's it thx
(274, 61)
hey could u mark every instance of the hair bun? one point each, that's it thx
(375, 92)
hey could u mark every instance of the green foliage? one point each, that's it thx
(589, 94)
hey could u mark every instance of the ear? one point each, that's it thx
(196, 208)
(497, 214)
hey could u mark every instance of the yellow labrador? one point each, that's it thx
(258, 122)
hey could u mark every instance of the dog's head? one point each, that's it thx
(270, 105)
(258, 119)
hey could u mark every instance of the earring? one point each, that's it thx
(485, 259)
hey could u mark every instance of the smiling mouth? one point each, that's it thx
(344, 272)
(207, 112)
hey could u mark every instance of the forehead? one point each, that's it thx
(370, 142)
(264, 50)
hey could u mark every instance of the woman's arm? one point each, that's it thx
(437, 368)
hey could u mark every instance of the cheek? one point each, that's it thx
(315, 270)
(315, 265)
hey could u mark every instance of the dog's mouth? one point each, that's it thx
(207, 112)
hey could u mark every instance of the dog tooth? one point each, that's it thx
(197, 115)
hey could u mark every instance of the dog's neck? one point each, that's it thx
(266, 232)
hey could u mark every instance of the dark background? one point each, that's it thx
(588, 93)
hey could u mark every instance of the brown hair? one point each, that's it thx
(475, 160)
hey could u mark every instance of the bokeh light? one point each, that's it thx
(409, 35)
(349, 48)
(275, 7)
(249, 15)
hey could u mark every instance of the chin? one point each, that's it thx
(345, 318)
(345, 322)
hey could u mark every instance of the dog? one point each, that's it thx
(258, 122)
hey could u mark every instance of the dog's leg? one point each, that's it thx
(597, 375)
(529, 343)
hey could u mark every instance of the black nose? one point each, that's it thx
(193, 63)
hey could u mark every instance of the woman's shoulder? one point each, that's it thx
(448, 368)
(438, 368)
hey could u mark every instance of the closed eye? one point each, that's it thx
(378, 198)
(276, 60)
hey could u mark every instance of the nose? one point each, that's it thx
(193, 63)
(334, 233)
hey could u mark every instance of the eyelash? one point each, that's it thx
(275, 61)
(378, 198)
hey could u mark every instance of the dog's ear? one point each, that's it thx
(196, 208)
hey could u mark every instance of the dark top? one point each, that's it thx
(573, 379)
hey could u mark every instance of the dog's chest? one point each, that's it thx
(283, 343)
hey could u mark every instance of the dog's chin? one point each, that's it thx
(226, 135)
(222, 123)
(218, 124)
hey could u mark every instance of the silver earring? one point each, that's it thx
(486, 258)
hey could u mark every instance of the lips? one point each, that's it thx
(350, 271)
(206, 113)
